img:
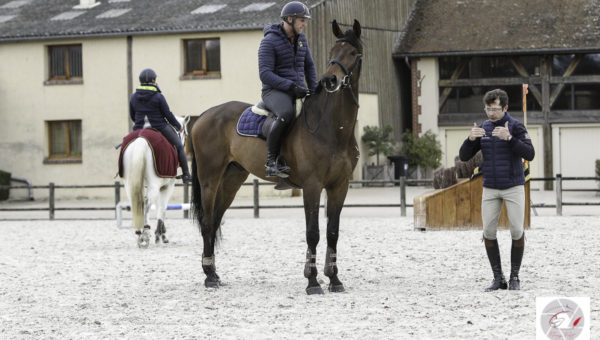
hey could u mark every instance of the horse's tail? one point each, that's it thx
(196, 192)
(136, 182)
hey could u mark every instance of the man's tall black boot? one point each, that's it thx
(516, 255)
(493, 253)
(272, 168)
(185, 172)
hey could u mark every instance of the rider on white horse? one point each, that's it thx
(149, 107)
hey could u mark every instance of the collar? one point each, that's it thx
(147, 87)
(502, 120)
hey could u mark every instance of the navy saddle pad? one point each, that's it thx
(250, 124)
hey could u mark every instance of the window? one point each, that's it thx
(64, 140)
(202, 57)
(470, 99)
(65, 63)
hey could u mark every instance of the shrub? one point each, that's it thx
(424, 151)
(378, 140)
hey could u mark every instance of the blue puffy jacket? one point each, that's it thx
(502, 165)
(147, 101)
(281, 64)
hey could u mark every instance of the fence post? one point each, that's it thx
(51, 200)
(559, 194)
(117, 195)
(255, 187)
(186, 198)
(402, 196)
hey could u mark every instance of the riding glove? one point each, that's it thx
(300, 92)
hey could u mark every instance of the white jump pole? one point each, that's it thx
(127, 206)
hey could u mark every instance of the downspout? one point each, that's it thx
(129, 78)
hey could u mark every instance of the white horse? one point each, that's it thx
(139, 173)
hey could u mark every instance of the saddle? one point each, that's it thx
(256, 121)
(163, 153)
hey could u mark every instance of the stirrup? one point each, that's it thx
(274, 170)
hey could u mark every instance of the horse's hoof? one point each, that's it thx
(314, 290)
(157, 239)
(212, 283)
(336, 288)
(165, 239)
(143, 240)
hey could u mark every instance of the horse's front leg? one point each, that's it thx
(311, 211)
(335, 202)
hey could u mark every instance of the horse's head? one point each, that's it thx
(183, 121)
(344, 58)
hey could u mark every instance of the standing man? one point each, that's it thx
(503, 141)
(284, 64)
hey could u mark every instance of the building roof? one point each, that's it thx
(52, 19)
(447, 27)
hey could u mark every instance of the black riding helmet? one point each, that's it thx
(295, 9)
(147, 76)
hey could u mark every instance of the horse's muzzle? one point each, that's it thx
(331, 83)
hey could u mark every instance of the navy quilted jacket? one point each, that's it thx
(147, 101)
(502, 165)
(281, 64)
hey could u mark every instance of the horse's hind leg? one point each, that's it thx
(233, 179)
(335, 202)
(311, 195)
(161, 208)
(216, 202)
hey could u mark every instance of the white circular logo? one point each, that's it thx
(562, 319)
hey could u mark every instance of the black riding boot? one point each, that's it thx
(516, 255)
(272, 167)
(185, 172)
(493, 253)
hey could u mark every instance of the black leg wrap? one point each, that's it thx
(331, 271)
(212, 279)
(493, 253)
(310, 272)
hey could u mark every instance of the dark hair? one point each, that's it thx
(492, 95)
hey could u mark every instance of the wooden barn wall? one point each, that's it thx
(381, 21)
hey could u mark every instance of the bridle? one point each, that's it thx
(345, 83)
(348, 74)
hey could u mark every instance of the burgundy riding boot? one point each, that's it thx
(493, 253)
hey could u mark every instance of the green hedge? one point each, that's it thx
(4, 180)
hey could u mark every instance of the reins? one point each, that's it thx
(345, 84)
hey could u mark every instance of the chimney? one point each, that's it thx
(86, 4)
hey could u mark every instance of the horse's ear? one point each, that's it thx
(336, 29)
(356, 28)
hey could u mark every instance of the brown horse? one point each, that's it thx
(320, 149)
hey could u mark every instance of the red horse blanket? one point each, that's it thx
(164, 154)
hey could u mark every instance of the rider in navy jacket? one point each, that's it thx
(283, 64)
(149, 106)
(504, 142)
(287, 72)
(502, 165)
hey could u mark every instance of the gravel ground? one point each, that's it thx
(73, 279)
